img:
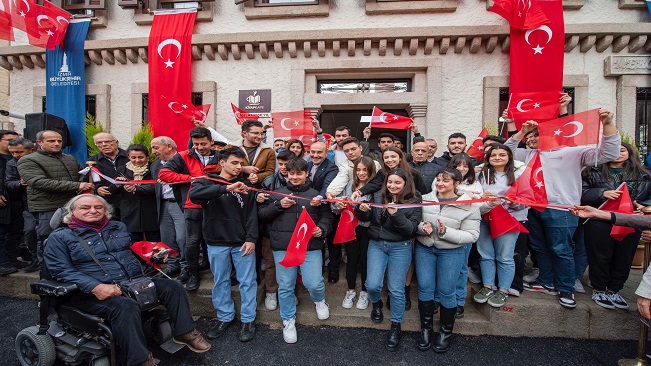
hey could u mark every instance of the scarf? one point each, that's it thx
(138, 171)
(76, 223)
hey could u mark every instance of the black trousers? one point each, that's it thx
(193, 237)
(123, 316)
(145, 235)
(356, 251)
(334, 249)
(520, 257)
(609, 260)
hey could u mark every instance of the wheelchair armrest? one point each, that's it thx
(52, 288)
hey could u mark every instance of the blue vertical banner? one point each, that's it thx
(66, 86)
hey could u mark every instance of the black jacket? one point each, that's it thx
(109, 168)
(325, 173)
(594, 185)
(283, 221)
(397, 227)
(5, 211)
(429, 170)
(375, 185)
(138, 210)
(270, 183)
(16, 192)
(229, 218)
(444, 159)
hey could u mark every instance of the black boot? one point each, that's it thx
(376, 313)
(426, 308)
(193, 281)
(459, 313)
(184, 276)
(445, 331)
(407, 298)
(33, 266)
(389, 302)
(393, 339)
(436, 307)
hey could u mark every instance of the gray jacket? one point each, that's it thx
(461, 223)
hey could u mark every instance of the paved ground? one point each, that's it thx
(330, 346)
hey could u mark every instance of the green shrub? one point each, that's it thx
(144, 137)
(92, 128)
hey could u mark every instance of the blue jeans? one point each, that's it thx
(311, 271)
(395, 257)
(438, 273)
(220, 265)
(496, 257)
(550, 236)
(462, 282)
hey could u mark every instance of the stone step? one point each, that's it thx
(532, 314)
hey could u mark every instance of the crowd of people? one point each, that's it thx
(203, 207)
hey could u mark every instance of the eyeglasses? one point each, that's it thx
(107, 142)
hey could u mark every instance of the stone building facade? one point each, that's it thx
(447, 61)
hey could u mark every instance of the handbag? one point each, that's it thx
(141, 289)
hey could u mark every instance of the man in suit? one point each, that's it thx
(322, 171)
(170, 215)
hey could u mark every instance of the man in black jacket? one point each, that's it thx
(109, 159)
(10, 224)
(271, 183)
(284, 212)
(228, 203)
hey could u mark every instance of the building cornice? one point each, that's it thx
(352, 42)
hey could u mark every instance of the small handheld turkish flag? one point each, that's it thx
(477, 148)
(390, 121)
(346, 228)
(522, 14)
(537, 106)
(530, 186)
(502, 222)
(146, 249)
(297, 247)
(295, 125)
(575, 130)
(623, 204)
(187, 110)
(241, 116)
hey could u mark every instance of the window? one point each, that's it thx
(91, 105)
(285, 2)
(175, 4)
(83, 7)
(363, 86)
(504, 103)
(643, 120)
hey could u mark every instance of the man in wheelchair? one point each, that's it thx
(106, 261)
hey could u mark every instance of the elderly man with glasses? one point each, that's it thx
(108, 160)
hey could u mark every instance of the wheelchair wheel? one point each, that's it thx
(34, 349)
(103, 361)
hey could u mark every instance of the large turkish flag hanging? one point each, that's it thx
(537, 54)
(6, 27)
(170, 72)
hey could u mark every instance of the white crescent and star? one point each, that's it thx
(579, 128)
(60, 18)
(538, 49)
(519, 106)
(350, 215)
(173, 42)
(41, 17)
(300, 237)
(539, 183)
(282, 124)
(383, 117)
(171, 106)
(204, 116)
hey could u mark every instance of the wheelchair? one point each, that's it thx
(75, 337)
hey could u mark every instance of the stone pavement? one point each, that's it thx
(531, 315)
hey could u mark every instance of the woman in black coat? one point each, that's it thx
(138, 205)
(609, 259)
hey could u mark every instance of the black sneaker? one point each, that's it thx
(7, 269)
(33, 266)
(617, 300)
(19, 264)
(539, 287)
(566, 299)
(193, 282)
(218, 329)
(184, 277)
(247, 332)
(602, 299)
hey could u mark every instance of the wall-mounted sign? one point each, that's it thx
(255, 101)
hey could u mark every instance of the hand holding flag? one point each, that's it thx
(147, 249)
(346, 228)
(297, 247)
(574, 130)
(621, 204)
(390, 121)
(476, 150)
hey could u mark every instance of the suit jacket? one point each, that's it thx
(325, 173)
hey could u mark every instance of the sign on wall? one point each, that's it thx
(255, 101)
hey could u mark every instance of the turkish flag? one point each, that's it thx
(522, 14)
(170, 72)
(23, 16)
(530, 186)
(188, 110)
(51, 25)
(502, 222)
(295, 125)
(390, 121)
(145, 250)
(346, 228)
(476, 150)
(6, 28)
(537, 54)
(241, 116)
(623, 205)
(574, 130)
(297, 247)
(537, 106)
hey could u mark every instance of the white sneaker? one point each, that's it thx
(322, 310)
(289, 330)
(473, 277)
(349, 299)
(270, 301)
(578, 286)
(531, 277)
(362, 300)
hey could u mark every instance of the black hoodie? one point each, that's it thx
(229, 218)
(283, 220)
